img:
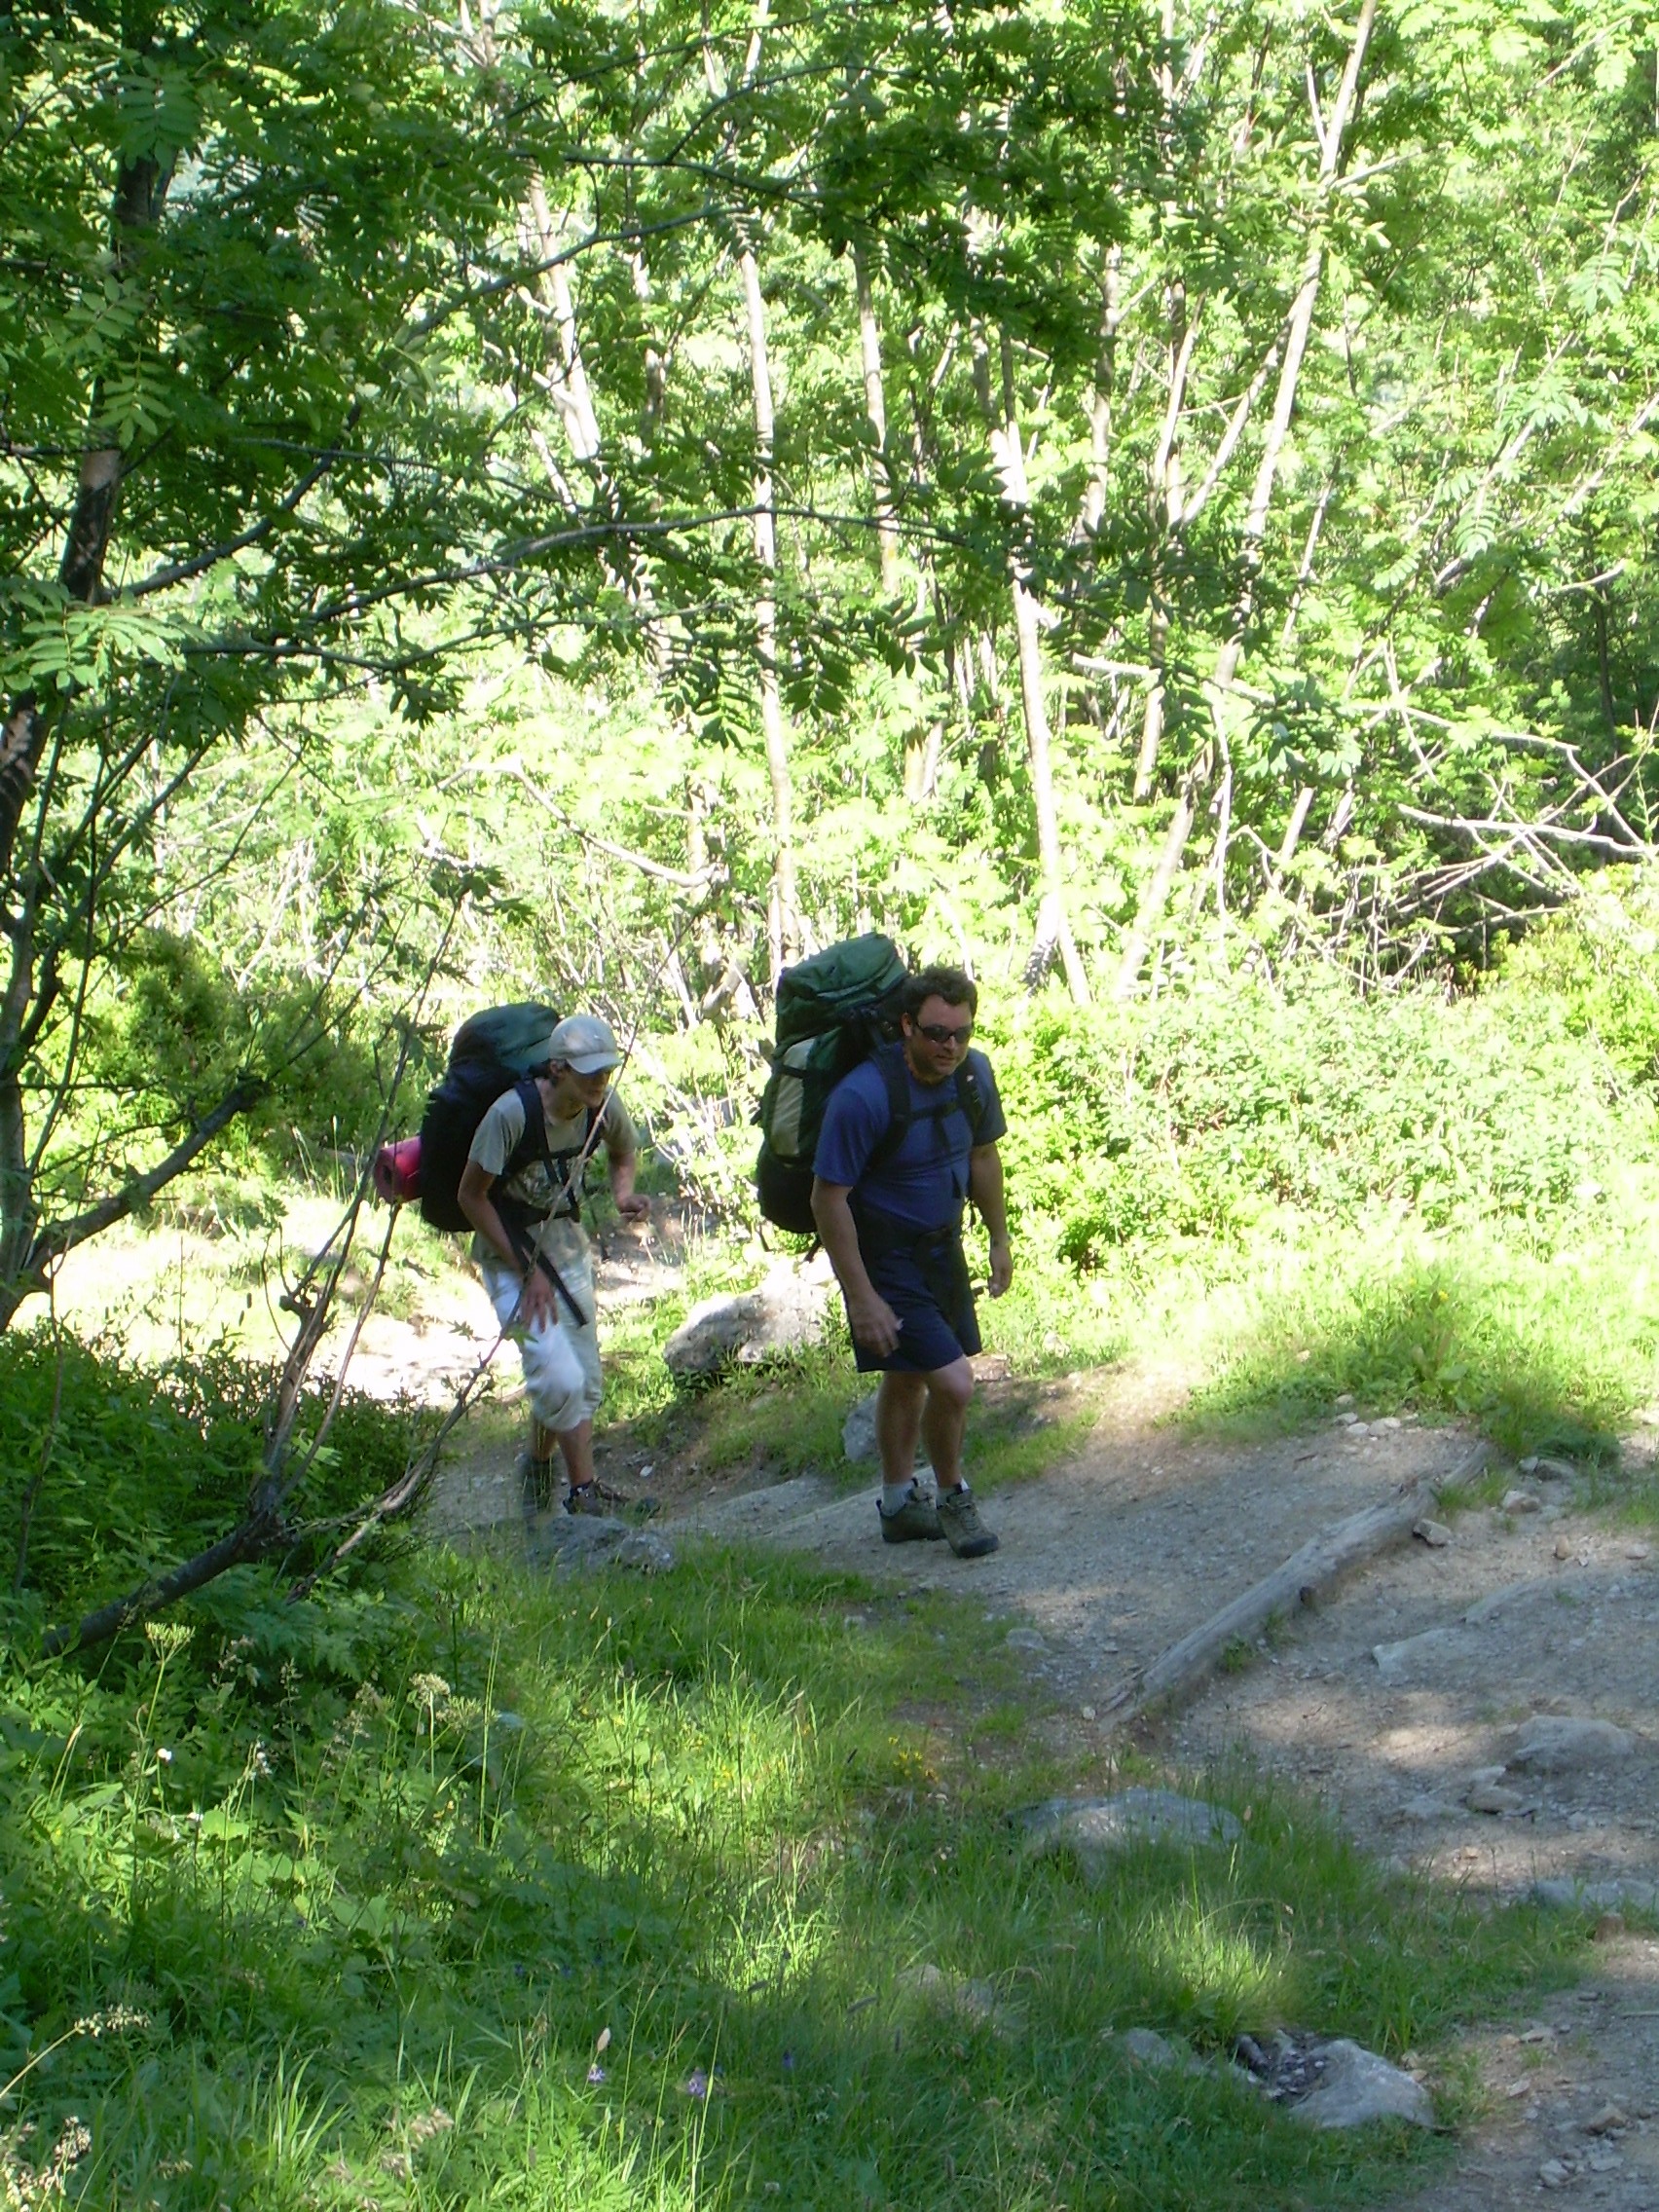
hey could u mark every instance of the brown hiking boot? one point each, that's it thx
(914, 1522)
(595, 1497)
(964, 1530)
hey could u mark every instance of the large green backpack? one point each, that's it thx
(833, 1011)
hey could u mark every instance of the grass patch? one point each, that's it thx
(449, 1884)
(1524, 1346)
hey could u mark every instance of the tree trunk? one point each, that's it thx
(876, 407)
(1298, 331)
(141, 193)
(1156, 896)
(1008, 450)
(783, 920)
(1101, 396)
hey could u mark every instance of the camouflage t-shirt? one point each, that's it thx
(501, 1128)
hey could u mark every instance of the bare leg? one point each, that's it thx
(944, 1420)
(577, 1444)
(899, 1423)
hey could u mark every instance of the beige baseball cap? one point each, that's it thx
(584, 1043)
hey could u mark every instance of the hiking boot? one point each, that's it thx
(961, 1527)
(595, 1497)
(915, 1521)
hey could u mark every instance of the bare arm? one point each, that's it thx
(985, 1188)
(476, 1195)
(623, 1162)
(872, 1319)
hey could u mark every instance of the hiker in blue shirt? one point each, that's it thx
(891, 1221)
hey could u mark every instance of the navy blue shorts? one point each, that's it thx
(926, 1283)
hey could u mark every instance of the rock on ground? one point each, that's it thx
(1097, 1828)
(1557, 1744)
(573, 1541)
(1355, 2087)
(783, 1314)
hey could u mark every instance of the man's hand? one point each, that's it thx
(634, 1208)
(873, 1324)
(536, 1307)
(1002, 1265)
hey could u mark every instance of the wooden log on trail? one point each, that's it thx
(1302, 1581)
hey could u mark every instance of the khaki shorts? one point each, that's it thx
(561, 1364)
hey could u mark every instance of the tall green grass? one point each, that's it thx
(614, 1893)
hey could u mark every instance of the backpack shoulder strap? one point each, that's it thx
(532, 1145)
(971, 1099)
(890, 1060)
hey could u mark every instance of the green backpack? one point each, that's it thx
(833, 1011)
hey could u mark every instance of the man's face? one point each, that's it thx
(589, 1089)
(936, 1038)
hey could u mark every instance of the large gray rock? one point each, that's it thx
(575, 1541)
(1096, 1829)
(783, 1314)
(1355, 2085)
(1620, 1894)
(1557, 1744)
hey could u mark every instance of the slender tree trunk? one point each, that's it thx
(783, 920)
(141, 193)
(876, 407)
(1008, 450)
(1101, 396)
(1164, 492)
(1294, 827)
(1331, 133)
(1298, 329)
(1155, 897)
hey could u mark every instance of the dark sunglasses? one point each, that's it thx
(941, 1033)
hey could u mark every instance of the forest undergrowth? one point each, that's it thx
(448, 1885)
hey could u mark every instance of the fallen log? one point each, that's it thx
(1302, 1581)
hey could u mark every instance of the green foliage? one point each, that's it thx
(127, 1469)
(476, 1883)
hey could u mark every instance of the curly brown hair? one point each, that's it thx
(953, 984)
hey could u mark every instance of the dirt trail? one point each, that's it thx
(1111, 1556)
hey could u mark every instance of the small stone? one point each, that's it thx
(1096, 1829)
(1494, 1798)
(1425, 1806)
(1528, 1466)
(1563, 1547)
(1348, 1419)
(1557, 1744)
(1609, 1925)
(1434, 1533)
(1355, 2085)
(1388, 1421)
(1610, 2119)
(1637, 1551)
(1087, 1712)
(1483, 1775)
(1345, 1399)
(1557, 1471)
(995, 1367)
(1622, 1893)
(972, 2001)
(1521, 1502)
(1552, 2174)
(1145, 2046)
(1025, 1640)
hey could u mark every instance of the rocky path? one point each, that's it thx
(1483, 1711)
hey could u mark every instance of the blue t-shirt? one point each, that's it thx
(925, 1184)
